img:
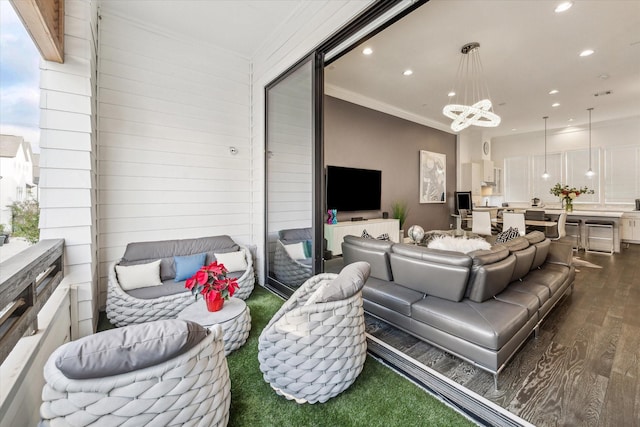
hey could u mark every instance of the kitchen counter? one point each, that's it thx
(607, 214)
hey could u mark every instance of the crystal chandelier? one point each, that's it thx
(476, 108)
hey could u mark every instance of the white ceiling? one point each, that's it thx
(240, 26)
(526, 50)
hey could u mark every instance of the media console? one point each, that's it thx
(334, 233)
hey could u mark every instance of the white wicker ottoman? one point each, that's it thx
(234, 318)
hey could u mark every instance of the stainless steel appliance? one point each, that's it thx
(638, 204)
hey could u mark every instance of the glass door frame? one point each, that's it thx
(335, 48)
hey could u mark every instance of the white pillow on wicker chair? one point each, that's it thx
(295, 250)
(233, 261)
(139, 275)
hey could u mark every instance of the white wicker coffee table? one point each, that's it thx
(234, 318)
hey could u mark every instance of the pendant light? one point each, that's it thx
(472, 104)
(590, 173)
(545, 174)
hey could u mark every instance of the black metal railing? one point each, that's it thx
(27, 280)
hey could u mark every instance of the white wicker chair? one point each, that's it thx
(312, 352)
(124, 309)
(288, 270)
(191, 389)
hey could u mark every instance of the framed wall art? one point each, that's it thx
(433, 177)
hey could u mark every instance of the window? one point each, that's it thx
(516, 178)
(621, 179)
(542, 186)
(577, 164)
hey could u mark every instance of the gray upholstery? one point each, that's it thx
(117, 351)
(294, 235)
(375, 252)
(311, 352)
(348, 283)
(480, 306)
(165, 250)
(431, 271)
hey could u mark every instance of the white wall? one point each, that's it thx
(68, 158)
(169, 111)
(16, 173)
(618, 133)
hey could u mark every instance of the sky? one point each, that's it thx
(19, 79)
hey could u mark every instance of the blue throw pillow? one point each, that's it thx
(187, 266)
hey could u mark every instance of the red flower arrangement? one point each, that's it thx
(212, 282)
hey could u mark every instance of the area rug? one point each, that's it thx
(582, 263)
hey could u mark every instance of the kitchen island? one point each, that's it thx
(585, 215)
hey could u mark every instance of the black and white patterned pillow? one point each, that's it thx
(366, 235)
(383, 236)
(509, 234)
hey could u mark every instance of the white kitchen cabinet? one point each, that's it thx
(471, 179)
(487, 171)
(630, 227)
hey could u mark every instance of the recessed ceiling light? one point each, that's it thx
(604, 76)
(367, 51)
(587, 52)
(513, 129)
(555, 104)
(407, 72)
(553, 91)
(564, 6)
(450, 94)
(571, 119)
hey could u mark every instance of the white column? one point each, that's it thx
(68, 160)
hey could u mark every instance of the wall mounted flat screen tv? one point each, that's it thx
(351, 189)
(463, 201)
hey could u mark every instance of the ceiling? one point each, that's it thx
(240, 26)
(526, 50)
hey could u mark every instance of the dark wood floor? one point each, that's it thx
(584, 367)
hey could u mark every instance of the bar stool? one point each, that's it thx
(573, 227)
(599, 232)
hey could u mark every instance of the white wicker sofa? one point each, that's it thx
(125, 307)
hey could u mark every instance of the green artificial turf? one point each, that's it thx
(379, 396)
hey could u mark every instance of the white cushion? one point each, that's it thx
(139, 276)
(233, 261)
(295, 250)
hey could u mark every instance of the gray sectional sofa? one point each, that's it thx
(480, 306)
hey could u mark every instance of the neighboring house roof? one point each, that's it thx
(9, 145)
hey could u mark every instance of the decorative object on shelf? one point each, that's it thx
(433, 177)
(400, 211)
(212, 283)
(590, 173)
(333, 216)
(477, 111)
(568, 194)
(416, 233)
(545, 174)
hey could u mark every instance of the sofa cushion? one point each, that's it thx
(165, 250)
(541, 292)
(525, 300)
(348, 283)
(431, 271)
(233, 261)
(490, 324)
(524, 256)
(375, 252)
(535, 237)
(390, 295)
(542, 250)
(169, 287)
(187, 266)
(127, 349)
(294, 235)
(491, 272)
(551, 275)
(139, 276)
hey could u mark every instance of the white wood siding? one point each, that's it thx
(169, 111)
(68, 159)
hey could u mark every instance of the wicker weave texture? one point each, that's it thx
(288, 270)
(311, 353)
(236, 332)
(123, 309)
(192, 389)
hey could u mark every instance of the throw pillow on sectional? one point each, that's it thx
(509, 234)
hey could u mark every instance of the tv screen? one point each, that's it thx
(350, 189)
(463, 201)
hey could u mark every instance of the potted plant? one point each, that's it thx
(399, 211)
(568, 194)
(212, 283)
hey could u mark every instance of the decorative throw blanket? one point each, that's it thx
(458, 244)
